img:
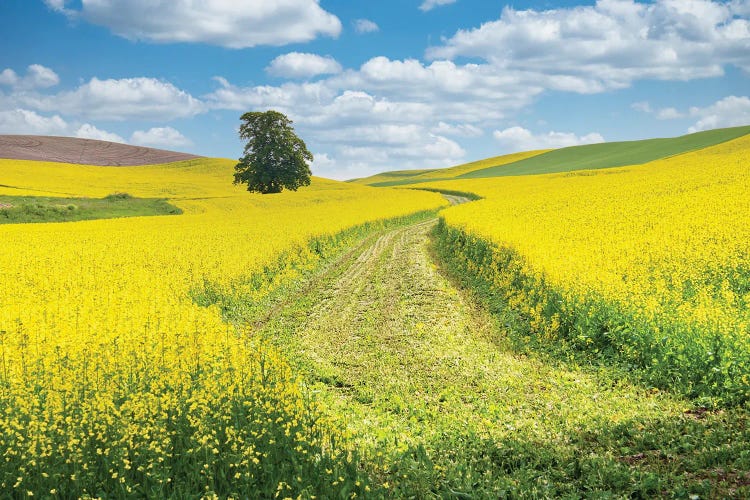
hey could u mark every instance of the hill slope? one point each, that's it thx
(611, 154)
(83, 151)
(586, 157)
(401, 177)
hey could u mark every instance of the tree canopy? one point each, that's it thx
(274, 157)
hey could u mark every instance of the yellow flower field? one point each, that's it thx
(652, 261)
(109, 370)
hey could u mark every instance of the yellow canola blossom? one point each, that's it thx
(653, 259)
(111, 378)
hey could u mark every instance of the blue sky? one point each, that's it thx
(374, 86)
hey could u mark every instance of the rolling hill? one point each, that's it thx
(586, 157)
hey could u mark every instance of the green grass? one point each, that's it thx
(610, 154)
(25, 209)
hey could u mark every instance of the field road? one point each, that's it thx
(398, 353)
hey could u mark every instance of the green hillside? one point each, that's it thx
(588, 157)
(610, 154)
(401, 177)
(394, 175)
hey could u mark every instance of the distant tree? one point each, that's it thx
(275, 158)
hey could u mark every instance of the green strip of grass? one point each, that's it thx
(610, 154)
(26, 209)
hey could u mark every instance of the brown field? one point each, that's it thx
(83, 151)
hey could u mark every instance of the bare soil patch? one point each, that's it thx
(83, 151)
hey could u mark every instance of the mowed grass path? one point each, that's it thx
(442, 406)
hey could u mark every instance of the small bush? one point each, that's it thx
(118, 197)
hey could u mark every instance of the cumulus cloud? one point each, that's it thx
(236, 24)
(642, 106)
(123, 99)
(303, 65)
(431, 4)
(731, 111)
(160, 137)
(459, 130)
(360, 160)
(521, 139)
(461, 91)
(88, 131)
(610, 44)
(37, 77)
(362, 26)
(669, 114)
(23, 121)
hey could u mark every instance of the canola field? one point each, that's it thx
(648, 265)
(113, 381)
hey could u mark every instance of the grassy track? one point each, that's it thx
(442, 406)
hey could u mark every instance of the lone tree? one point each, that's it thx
(275, 158)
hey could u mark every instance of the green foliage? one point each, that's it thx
(118, 197)
(275, 158)
(24, 209)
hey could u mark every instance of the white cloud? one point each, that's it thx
(521, 139)
(303, 65)
(669, 114)
(23, 121)
(731, 111)
(56, 5)
(460, 90)
(362, 26)
(8, 77)
(127, 98)
(660, 114)
(431, 4)
(459, 130)
(642, 106)
(37, 77)
(349, 161)
(611, 44)
(234, 24)
(88, 131)
(160, 137)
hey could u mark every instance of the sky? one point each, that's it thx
(374, 85)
